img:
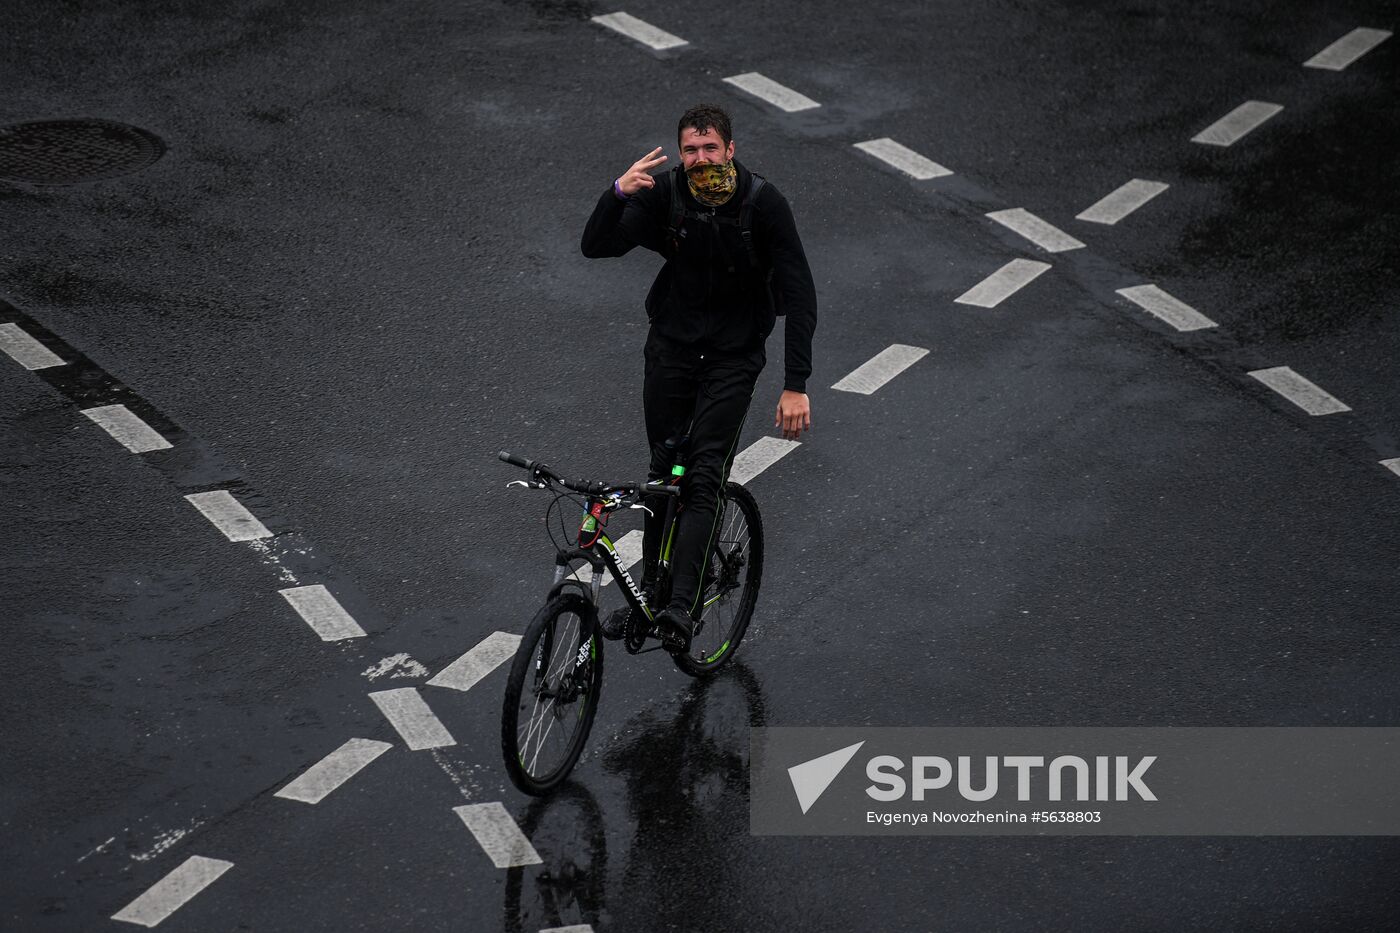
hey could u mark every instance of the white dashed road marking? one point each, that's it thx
(464, 673)
(1166, 308)
(1003, 283)
(229, 515)
(1232, 127)
(396, 666)
(906, 160)
(1118, 204)
(881, 368)
(335, 769)
(322, 612)
(498, 835)
(576, 928)
(25, 350)
(1306, 395)
(759, 456)
(1047, 236)
(641, 30)
(766, 89)
(173, 891)
(1393, 465)
(412, 719)
(127, 427)
(629, 551)
(1348, 49)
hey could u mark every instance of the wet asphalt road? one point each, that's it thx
(355, 275)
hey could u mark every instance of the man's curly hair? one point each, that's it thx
(703, 117)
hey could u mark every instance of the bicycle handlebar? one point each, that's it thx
(535, 468)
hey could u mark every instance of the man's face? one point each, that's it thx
(704, 147)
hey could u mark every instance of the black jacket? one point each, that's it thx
(696, 300)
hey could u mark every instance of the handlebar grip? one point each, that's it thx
(516, 461)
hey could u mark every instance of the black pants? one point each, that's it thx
(707, 393)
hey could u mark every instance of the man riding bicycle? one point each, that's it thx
(733, 263)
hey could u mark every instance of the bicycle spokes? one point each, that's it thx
(557, 694)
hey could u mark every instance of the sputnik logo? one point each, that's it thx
(811, 778)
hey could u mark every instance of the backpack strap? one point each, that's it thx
(746, 219)
(677, 215)
(744, 222)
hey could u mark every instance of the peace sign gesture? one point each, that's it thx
(636, 177)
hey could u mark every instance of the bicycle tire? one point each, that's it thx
(549, 635)
(734, 572)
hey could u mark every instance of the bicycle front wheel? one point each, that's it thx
(551, 694)
(733, 573)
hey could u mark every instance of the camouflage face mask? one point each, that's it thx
(711, 184)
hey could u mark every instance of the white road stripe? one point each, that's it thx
(25, 350)
(576, 928)
(906, 160)
(396, 666)
(229, 515)
(1306, 395)
(316, 783)
(1348, 49)
(492, 651)
(1048, 237)
(1230, 128)
(1393, 465)
(322, 612)
(881, 368)
(759, 456)
(1166, 307)
(1118, 204)
(629, 551)
(784, 98)
(1003, 283)
(644, 32)
(498, 835)
(173, 891)
(410, 716)
(127, 427)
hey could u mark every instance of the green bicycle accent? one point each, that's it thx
(670, 538)
(677, 470)
(716, 656)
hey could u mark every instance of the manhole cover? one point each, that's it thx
(64, 152)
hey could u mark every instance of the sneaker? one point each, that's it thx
(676, 629)
(615, 625)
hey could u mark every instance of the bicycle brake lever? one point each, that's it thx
(527, 485)
(643, 508)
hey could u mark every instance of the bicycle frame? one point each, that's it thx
(603, 554)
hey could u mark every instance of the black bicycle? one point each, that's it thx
(554, 684)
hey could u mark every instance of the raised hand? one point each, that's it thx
(636, 178)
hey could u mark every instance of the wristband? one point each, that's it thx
(618, 191)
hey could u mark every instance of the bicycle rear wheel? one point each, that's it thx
(733, 573)
(552, 694)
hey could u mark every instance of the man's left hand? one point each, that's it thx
(794, 414)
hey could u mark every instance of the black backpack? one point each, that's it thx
(680, 213)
